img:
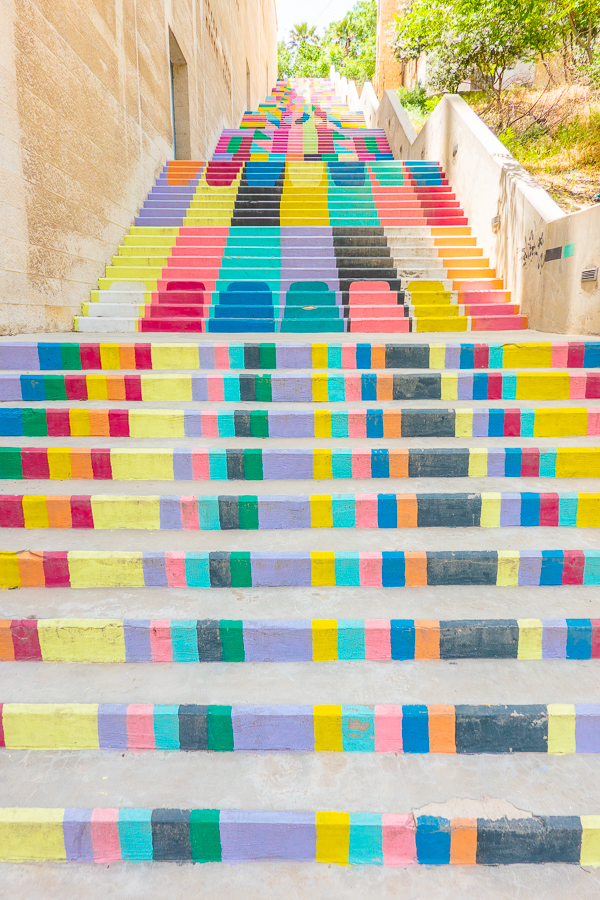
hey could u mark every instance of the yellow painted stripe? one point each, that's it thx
(531, 633)
(31, 834)
(328, 728)
(82, 640)
(490, 510)
(50, 726)
(324, 639)
(463, 422)
(322, 568)
(590, 841)
(508, 568)
(322, 467)
(321, 512)
(90, 568)
(322, 420)
(333, 837)
(478, 462)
(561, 728)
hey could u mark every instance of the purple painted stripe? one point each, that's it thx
(287, 464)
(530, 567)
(465, 386)
(452, 359)
(182, 465)
(170, 513)
(250, 835)
(77, 834)
(283, 512)
(206, 356)
(267, 641)
(192, 423)
(137, 640)
(112, 726)
(271, 570)
(199, 387)
(510, 509)
(291, 424)
(10, 386)
(155, 574)
(20, 356)
(294, 389)
(273, 728)
(481, 418)
(294, 356)
(587, 728)
(554, 639)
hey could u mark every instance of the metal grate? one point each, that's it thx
(590, 274)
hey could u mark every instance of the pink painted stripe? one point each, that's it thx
(175, 568)
(559, 356)
(104, 829)
(221, 356)
(353, 387)
(357, 423)
(399, 840)
(370, 568)
(388, 729)
(577, 387)
(377, 639)
(200, 465)
(348, 356)
(593, 421)
(210, 423)
(140, 726)
(361, 463)
(189, 514)
(160, 640)
(215, 387)
(365, 510)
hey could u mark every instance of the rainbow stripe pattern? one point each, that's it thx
(73, 355)
(296, 640)
(572, 421)
(321, 388)
(559, 728)
(235, 836)
(254, 512)
(258, 464)
(414, 568)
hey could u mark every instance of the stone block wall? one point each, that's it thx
(86, 124)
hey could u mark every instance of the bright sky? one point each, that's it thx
(316, 12)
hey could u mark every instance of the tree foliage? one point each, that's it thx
(480, 40)
(348, 44)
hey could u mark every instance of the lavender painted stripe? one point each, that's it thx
(496, 460)
(276, 570)
(77, 834)
(112, 726)
(10, 387)
(20, 356)
(510, 509)
(251, 835)
(452, 359)
(465, 386)
(587, 728)
(481, 419)
(155, 574)
(554, 639)
(159, 223)
(291, 424)
(306, 230)
(287, 464)
(170, 513)
(273, 728)
(267, 641)
(192, 423)
(206, 356)
(182, 465)
(283, 512)
(291, 389)
(530, 567)
(137, 640)
(294, 356)
(199, 387)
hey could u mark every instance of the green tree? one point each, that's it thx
(301, 34)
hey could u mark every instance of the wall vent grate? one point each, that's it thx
(590, 274)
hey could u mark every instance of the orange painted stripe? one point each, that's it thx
(442, 729)
(115, 387)
(415, 568)
(127, 356)
(407, 510)
(398, 463)
(31, 569)
(7, 650)
(392, 423)
(81, 463)
(427, 639)
(378, 357)
(385, 386)
(99, 426)
(463, 842)
(59, 511)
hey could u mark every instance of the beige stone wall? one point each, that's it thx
(85, 125)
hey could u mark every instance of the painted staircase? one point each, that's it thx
(303, 223)
(414, 685)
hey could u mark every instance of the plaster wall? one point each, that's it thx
(85, 126)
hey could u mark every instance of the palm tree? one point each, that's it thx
(302, 34)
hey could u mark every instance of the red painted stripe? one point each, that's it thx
(548, 509)
(101, 466)
(90, 356)
(58, 422)
(34, 461)
(481, 358)
(595, 638)
(11, 512)
(75, 386)
(133, 387)
(118, 422)
(26, 640)
(575, 355)
(530, 462)
(512, 422)
(56, 569)
(573, 566)
(81, 512)
(592, 386)
(495, 386)
(143, 356)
